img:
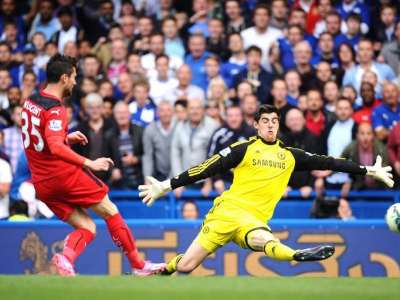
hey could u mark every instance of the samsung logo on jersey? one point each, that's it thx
(32, 108)
(268, 163)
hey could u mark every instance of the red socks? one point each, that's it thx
(76, 242)
(122, 237)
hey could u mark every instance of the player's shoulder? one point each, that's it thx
(244, 143)
(44, 101)
(293, 150)
(238, 148)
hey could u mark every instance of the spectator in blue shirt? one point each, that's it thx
(286, 45)
(199, 19)
(22, 174)
(197, 58)
(254, 73)
(17, 73)
(212, 66)
(385, 30)
(236, 62)
(347, 7)
(142, 109)
(9, 13)
(365, 57)
(10, 35)
(333, 26)
(353, 34)
(299, 17)
(44, 21)
(386, 115)
(325, 51)
(173, 43)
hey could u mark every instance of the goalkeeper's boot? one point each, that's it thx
(149, 269)
(63, 266)
(313, 254)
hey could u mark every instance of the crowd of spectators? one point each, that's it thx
(164, 84)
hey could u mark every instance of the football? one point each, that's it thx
(393, 217)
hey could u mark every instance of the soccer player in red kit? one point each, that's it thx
(64, 180)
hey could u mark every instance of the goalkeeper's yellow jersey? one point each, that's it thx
(261, 178)
(261, 172)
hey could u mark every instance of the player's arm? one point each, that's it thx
(306, 162)
(225, 160)
(55, 135)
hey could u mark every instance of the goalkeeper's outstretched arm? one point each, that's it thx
(225, 160)
(306, 162)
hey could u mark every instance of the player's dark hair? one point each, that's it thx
(59, 65)
(266, 109)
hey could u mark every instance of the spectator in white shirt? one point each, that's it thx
(157, 48)
(185, 90)
(261, 35)
(5, 182)
(162, 84)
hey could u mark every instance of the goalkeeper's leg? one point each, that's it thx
(263, 240)
(187, 262)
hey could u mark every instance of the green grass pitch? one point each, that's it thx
(193, 288)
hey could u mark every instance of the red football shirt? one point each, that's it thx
(364, 114)
(315, 126)
(43, 116)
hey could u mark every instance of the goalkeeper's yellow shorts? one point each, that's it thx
(226, 222)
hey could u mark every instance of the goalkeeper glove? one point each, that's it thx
(381, 173)
(153, 190)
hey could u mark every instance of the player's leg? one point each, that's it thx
(76, 242)
(190, 260)
(213, 234)
(262, 239)
(123, 238)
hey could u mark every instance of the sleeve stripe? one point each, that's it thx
(200, 168)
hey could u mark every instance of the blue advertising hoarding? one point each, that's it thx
(363, 248)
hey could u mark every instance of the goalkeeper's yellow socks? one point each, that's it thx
(278, 251)
(172, 264)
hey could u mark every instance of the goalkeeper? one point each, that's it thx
(261, 167)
